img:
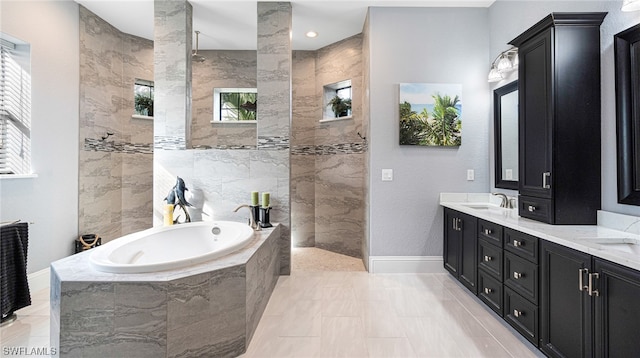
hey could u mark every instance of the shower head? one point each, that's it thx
(194, 56)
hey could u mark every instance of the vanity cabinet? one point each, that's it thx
(460, 247)
(490, 267)
(559, 118)
(589, 306)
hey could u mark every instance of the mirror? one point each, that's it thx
(505, 107)
(627, 59)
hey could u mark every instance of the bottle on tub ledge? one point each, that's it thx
(264, 211)
(255, 207)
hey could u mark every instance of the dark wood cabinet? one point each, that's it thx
(617, 313)
(559, 118)
(588, 305)
(460, 247)
(565, 305)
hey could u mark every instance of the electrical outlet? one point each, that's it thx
(387, 174)
(508, 174)
(470, 174)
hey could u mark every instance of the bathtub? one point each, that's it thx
(172, 247)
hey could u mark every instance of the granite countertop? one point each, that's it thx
(78, 268)
(611, 239)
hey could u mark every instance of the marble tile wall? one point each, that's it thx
(111, 170)
(212, 312)
(274, 111)
(328, 192)
(221, 69)
(172, 68)
(365, 133)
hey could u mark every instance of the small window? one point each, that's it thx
(143, 98)
(15, 106)
(337, 101)
(234, 104)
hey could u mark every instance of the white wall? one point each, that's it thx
(429, 45)
(508, 19)
(51, 199)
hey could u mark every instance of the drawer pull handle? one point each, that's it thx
(517, 243)
(545, 180)
(517, 275)
(593, 292)
(517, 313)
(487, 290)
(581, 273)
(531, 208)
(488, 258)
(488, 231)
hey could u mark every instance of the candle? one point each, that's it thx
(265, 200)
(168, 215)
(254, 198)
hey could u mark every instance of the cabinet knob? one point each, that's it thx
(488, 258)
(487, 290)
(487, 231)
(517, 243)
(531, 208)
(517, 275)
(517, 313)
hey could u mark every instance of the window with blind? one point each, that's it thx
(15, 107)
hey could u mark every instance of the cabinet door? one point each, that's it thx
(617, 312)
(565, 307)
(535, 115)
(452, 243)
(468, 261)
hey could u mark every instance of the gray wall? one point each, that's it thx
(508, 19)
(429, 45)
(51, 199)
(115, 177)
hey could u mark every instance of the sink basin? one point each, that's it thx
(481, 206)
(628, 245)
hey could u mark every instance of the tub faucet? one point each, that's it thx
(506, 202)
(252, 220)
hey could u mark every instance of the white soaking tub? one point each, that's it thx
(166, 248)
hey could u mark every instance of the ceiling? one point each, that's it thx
(231, 25)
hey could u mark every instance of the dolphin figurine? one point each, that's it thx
(179, 190)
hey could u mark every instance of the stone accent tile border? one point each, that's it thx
(331, 149)
(273, 142)
(169, 143)
(98, 145)
(223, 147)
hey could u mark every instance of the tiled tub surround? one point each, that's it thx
(610, 226)
(205, 310)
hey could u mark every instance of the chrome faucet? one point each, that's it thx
(252, 220)
(506, 202)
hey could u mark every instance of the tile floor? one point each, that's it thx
(327, 313)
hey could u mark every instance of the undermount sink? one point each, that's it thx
(481, 206)
(619, 244)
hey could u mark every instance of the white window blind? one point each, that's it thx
(15, 110)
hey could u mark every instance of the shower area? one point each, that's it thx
(316, 172)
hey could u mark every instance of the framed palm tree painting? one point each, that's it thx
(430, 114)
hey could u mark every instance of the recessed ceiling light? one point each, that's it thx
(312, 34)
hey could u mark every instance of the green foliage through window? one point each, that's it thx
(238, 106)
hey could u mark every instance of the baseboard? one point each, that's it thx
(406, 264)
(39, 280)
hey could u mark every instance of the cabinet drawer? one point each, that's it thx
(490, 231)
(535, 209)
(521, 244)
(521, 314)
(490, 259)
(490, 291)
(521, 276)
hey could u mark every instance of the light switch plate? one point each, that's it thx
(387, 174)
(470, 174)
(508, 174)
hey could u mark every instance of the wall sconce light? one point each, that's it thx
(630, 5)
(507, 61)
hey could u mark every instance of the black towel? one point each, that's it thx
(14, 288)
